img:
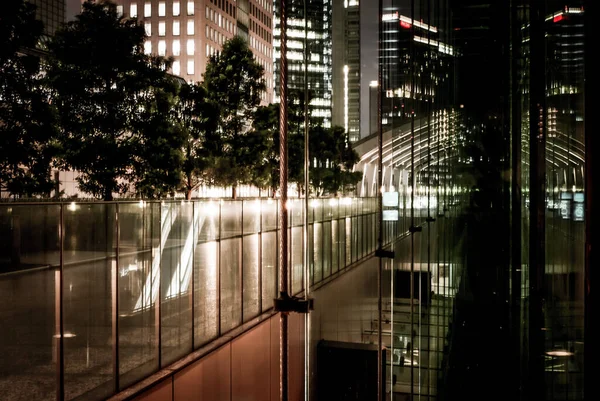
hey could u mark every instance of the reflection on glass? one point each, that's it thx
(231, 286)
(138, 242)
(206, 264)
(89, 271)
(250, 277)
(269, 269)
(29, 238)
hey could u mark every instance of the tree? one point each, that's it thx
(158, 152)
(196, 119)
(27, 120)
(102, 84)
(332, 161)
(235, 82)
(266, 125)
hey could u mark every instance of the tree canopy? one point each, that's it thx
(27, 119)
(105, 89)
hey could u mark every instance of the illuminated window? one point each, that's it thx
(162, 9)
(176, 47)
(147, 10)
(176, 10)
(162, 47)
(190, 67)
(190, 27)
(162, 28)
(190, 47)
(175, 28)
(148, 28)
(147, 47)
(119, 11)
(133, 10)
(190, 8)
(176, 67)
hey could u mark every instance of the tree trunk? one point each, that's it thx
(234, 191)
(188, 193)
(107, 194)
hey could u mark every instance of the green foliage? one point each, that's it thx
(27, 121)
(105, 88)
(235, 82)
(196, 120)
(158, 152)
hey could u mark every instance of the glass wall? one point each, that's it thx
(99, 296)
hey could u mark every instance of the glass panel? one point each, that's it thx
(335, 246)
(317, 251)
(176, 272)
(250, 276)
(231, 218)
(89, 268)
(206, 263)
(251, 216)
(269, 214)
(269, 269)
(297, 252)
(208, 220)
(231, 286)
(29, 279)
(139, 265)
(326, 249)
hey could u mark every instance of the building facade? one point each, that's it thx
(51, 13)
(346, 63)
(191, 31)
(313, 34)
(417, 63)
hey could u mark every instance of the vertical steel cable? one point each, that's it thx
(412, 192)
(306, 194)
(380, 378)
(283, 212)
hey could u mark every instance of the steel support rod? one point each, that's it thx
(306, 208)
(380, 373)
(283, 212)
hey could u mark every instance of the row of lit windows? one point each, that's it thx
(162, 9)
(176, 29)
(176, 68)
(215, 36)
(222, 22)
(224, 5)
(260, 46)
(190, 47)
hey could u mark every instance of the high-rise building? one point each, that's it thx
(313, 35)
(417, 62)
(191, 31)
(51, 13)
(346, 62)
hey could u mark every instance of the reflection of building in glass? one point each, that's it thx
(346, 66)
(191, 31)
(319, 50)
(416, 60)
(51, 13)
(564, 99)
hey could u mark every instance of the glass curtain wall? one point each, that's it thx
(550, 103)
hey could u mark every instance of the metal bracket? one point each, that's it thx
(430, 219)
(285, 303)
(415, 229)
(381, 253)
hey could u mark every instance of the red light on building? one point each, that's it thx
(404, 24)
(558, 18)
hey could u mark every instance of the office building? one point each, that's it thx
(417, 64)
(51, 13)
(313, 35)
(191, 31)
(346, 64)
